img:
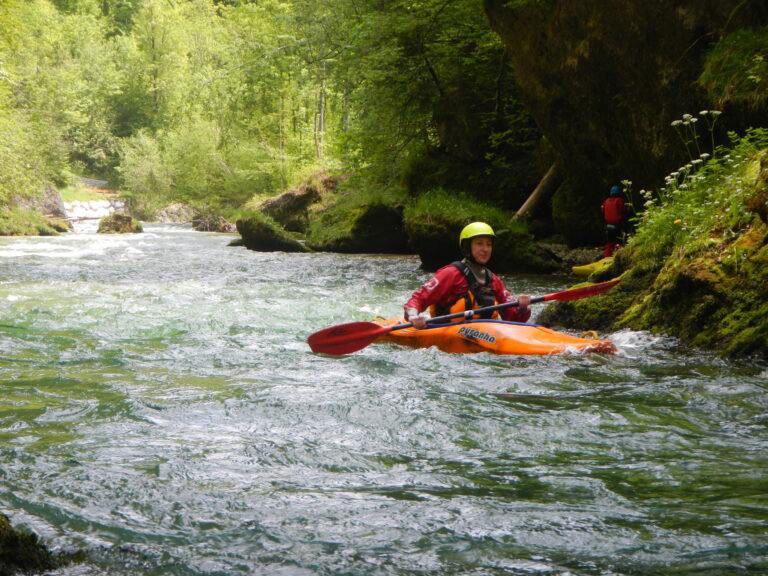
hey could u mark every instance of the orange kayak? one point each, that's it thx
(494, 336)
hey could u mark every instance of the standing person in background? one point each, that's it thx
(466, 284)
(615, 214)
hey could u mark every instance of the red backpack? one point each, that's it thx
(614, 210)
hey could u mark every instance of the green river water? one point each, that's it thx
(162, 412)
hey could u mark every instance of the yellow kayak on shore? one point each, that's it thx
(494, 336)
(589, 269)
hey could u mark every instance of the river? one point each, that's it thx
(162, 412)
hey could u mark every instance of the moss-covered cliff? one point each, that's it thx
(604, 80)
(697, 267)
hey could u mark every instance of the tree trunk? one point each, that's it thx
(543, 190)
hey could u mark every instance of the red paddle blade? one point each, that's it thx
(583, 291)
(345, 338)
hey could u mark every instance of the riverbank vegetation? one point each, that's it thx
(696, 267)
(211, 103)
(25, 221)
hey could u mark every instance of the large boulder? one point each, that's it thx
(175, 213)
(119, 224)
(366, 227)
(48, 203)
(261, 234)
(291, 208)
(51, 205)
(434, 222)
(514, 249)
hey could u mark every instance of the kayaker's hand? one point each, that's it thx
(412, 316)
(523, 301)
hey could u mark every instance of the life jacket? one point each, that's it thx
(613, 210)
(478, 296)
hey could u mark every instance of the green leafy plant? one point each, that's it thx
(703, 202)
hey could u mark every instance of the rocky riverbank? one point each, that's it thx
(322, 215)
(94, 209)
(696, 268)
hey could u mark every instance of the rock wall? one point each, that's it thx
(94, 209)
(604, 80)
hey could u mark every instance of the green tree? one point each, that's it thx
(421, 88)
(208, 101)
(30, 107)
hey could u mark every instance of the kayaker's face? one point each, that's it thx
(482, 248)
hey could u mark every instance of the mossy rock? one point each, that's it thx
(119, 224)
(60, 224)
(704, 301)
(595, 313)
(21, 551)
(262, 234)
(435, 220)
(294, 209)
(366, 217)
(362, 228)
(209, 220)
(291, 208)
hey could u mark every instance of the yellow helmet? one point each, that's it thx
(473, 230)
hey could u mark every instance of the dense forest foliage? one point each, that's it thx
(217, 102)
(212, 102)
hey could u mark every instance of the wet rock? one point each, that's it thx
(21, 551)
(175, 214)
(119, 224)
(261, 235)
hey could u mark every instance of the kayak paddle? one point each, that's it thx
(354, 336)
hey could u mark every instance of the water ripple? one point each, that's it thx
(161, 412)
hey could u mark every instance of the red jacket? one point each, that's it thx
(615, 210)
(449, 284)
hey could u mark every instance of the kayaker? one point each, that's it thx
(466, 284)
(615, 213)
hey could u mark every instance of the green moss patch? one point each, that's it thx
(19, 221)
(119, 224)
(366, 221)
(697, 267)
(262, 234)
(434, 221)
